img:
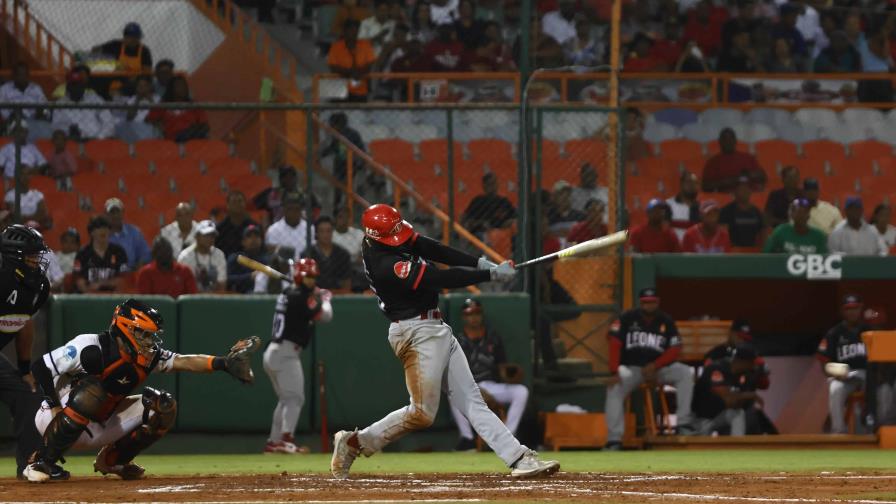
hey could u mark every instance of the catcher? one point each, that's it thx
(87, 385)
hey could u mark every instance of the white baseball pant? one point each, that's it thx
(838, 393)
(433, 361)
(736, 419)
(513, 395)
(679, 375)
(126, 417)
(283, 365)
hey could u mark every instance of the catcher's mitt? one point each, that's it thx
(239, 359)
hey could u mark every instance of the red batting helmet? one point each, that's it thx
(384, 224)
(306, 267)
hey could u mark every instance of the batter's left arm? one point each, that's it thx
(433, 250)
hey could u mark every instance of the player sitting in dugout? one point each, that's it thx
(87, 385)
(843, 355)
(725, 392)
(499, 381)
(644, 346)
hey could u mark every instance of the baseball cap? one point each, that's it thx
(472, 306)
(648, 294)
(206, 227)
(743, 329)
(810, 184)
(133, 29)
(285, 170)
(851, 301)
(655, 203)
(744, 351)
(113, 203)
(708, 206)
(562, 184)
(251, 229)
(853, 201)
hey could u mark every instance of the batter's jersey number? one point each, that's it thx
(279, 323)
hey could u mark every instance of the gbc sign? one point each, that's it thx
(816, 266)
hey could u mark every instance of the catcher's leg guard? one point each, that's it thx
(116, 457)
(84, 404)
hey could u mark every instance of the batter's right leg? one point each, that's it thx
(614, 406)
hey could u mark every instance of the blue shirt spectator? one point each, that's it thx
(871, 50)
(127, 236)
(786, 28)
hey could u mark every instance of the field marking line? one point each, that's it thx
(676, 495)
(363, 501)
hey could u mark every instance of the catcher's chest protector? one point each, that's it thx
(120, 375)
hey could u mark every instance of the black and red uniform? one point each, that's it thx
(637, 339)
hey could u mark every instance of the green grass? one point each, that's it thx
(766, 461)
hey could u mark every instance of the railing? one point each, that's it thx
(694, 90)
(33, 36)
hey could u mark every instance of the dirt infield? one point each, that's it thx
(858, 488)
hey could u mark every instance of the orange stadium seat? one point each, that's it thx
(5, 140)
(206, 149)
(184, 172)
(98, 187)
(681, 149)
(858, 167)
(774, 154)
(63, 220)
(391, 151)
(229, 166)
(489, 150)
(657, 168)
(587, 150)
(811, 168)
(249, 183)
(501, 241)
(870, 149)
(840, 184)
(207, 201)
(824, 149)
(156, 149)
(712, 147)
(43, 184)
(885, 165)
(110, 148)
(435, 151)
(45, 146)
(504, 170)
(549, 150)
(122, 167)
(144, 184)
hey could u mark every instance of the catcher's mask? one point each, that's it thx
(140, 328)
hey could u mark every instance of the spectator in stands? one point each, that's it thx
(334, 262)
(181, 233)
(230, 229)
(777, 206)
(742, 218)
(445, 53)
(291, 231)
(128, 51)
(207, 262)
(162, 76)
(655, 236)
(379, 27)
(346, 236)
(587, 189)
(63, 163)
(349, 10)
(824, 215)
(707, 237)
(70, 243)
(469, 30)
(444, 12)
(839, 57)
(723, 170)
(132, 125)
(21, 90)
(797, 236)
(637, 19)
(561, 215)
(488, 210)
(422, 28)
(740, 56)
(722, 394)
(127, 236)
(271, 198)
(668, 49)
(179, 125)
(704, 27)
(783, 60)
(164, 275)
(82, 124)
(854, 236)
(32, 206)
(240, 278)
(583, 49)
(30, 158)
(880, 223)
(640, 58)
(592, 226)
(339, 122)
(352, 59)
(683, 209)
(391, 52)
(560, 24)
(786, 28)
(544, 51)
(98, 265)
(499, 381)
(876, 58)
(828, 25)
(744, 22)
(409, 62)
(493, 54)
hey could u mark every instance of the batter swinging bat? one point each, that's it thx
(264, 268)
(604, 242)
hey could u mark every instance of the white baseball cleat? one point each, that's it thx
(37, 472)
(530, 466)
(343, 454)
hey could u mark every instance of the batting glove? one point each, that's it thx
(503, 272)
(485, 264)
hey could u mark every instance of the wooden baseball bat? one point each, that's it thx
(264, 268)
(604, 242)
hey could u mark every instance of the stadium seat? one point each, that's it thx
(677, 117)
(371, 132)
(681, 150)
(206, 149)
(5, 140)
(46, 185)
(416, 132)
(248, 183)
(843, 133)
(435, 152)
(156, 149)
(506, 170)
(45, 146)
(758, 132)
(722, 117)
(712, 147)
(229, 166)
(588, 150)
(824, 150)
(797, 133)
(772, 116)
(121, 167)
(101, 150)
(489, 149)
(884, 166)
(96, 187)
(657, 168)
(811, 168)
(861, 117)
(839, 184)
(656, 187)
(64, 219)
(144, 184)
(501, 241)
(550, 150)
(61, 201)
(659, 132)
(870, 149)
(816, 117)
(391, 151)
(700, 132)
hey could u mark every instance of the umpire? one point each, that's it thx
(24, 288)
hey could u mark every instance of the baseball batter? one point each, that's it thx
(397, 264)
(299, 308)
(87, 383)
(644, 345)
(23, 291)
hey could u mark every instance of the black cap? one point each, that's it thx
(251, 229)
(853, 201)
(851, 301)
(285, 170)
(810, 184)
(744, 351)
(472, 306)
(743, 329)
(648, 294)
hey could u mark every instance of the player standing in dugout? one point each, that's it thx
(407, 285)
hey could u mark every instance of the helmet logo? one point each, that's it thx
(402, 269)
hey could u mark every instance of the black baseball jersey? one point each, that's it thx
(757, 379)
(297, 310)
(644, 340)
(717, 375)
(406, 284)
(95, 268)
(483, 354)
(844, 344)
(17, 304)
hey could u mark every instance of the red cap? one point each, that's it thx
(384, 224)
(306, 267)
